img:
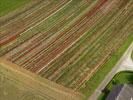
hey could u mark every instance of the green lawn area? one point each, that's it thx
(120, 78)
(98, 77)
(7, 6)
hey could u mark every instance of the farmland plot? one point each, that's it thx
(7, 6)
(13, 29)
(71, 41)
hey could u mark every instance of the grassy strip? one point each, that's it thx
(7, 6)
(120, 78)
(98, 77)
(132, 56)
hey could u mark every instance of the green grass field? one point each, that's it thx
(7, 6)
(120, 78)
